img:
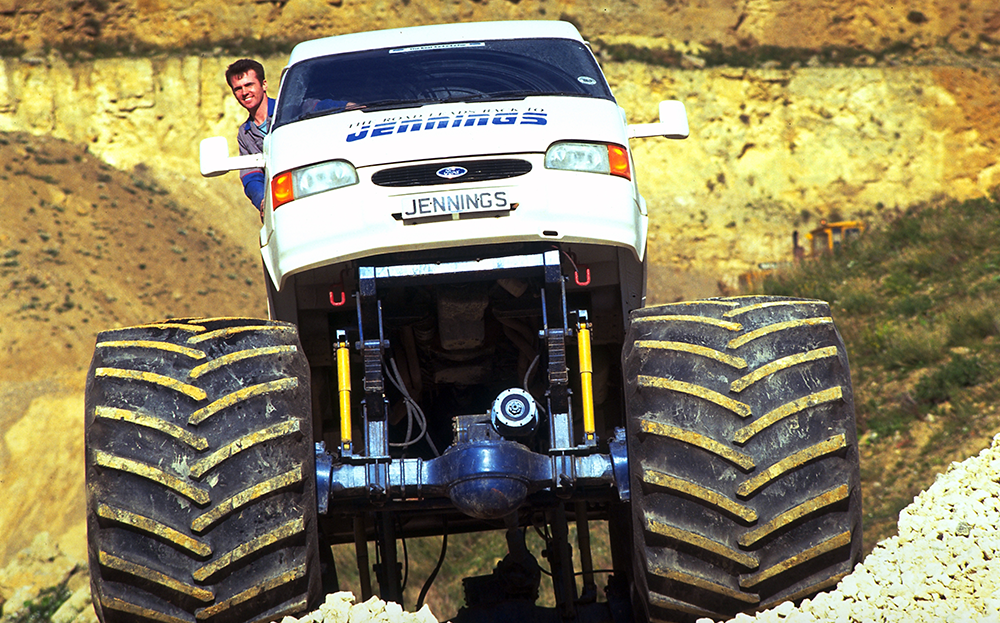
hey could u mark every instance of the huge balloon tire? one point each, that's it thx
(743, 457)
(200, 462)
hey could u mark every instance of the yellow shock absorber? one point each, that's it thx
(586, 378)
(344, 387)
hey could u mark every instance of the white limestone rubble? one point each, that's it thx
(944, 564)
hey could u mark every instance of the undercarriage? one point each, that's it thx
(497, 338)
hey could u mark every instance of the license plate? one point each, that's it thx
(454, 205)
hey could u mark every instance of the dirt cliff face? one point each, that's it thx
(785, 23)
(772, 152)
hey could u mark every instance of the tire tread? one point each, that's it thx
(199, 451)
(742, 437)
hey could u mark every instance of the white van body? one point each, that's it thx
(367, 219)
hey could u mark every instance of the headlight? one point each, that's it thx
(317, 178)
(590, 157)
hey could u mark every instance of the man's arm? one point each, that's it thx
(253, 179)
(253, 186)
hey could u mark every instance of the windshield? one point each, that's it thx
(430, 74)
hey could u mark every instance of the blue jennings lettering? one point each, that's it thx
(412, 124)
(385, 128)
(478, 119)
(442, 122)
(533, 118)
(357, 136)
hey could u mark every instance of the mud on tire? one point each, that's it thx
(201, 500)
(743, 455)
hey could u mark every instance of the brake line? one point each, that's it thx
(437, 568)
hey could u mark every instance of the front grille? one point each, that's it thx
(426, 174)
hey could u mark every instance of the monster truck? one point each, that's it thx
(455, 248)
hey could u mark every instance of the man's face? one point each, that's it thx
(249, 91)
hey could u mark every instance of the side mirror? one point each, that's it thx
(214, 158)
(673, 123)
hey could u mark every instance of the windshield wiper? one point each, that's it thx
(500, 96)
(390, 103)
(312, 114)
(326, 107)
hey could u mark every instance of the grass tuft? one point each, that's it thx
(40, 610)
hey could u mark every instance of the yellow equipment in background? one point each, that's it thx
(829, 237)
(826, 239)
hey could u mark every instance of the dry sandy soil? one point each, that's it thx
(84, 248)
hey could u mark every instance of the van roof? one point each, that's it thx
(428, 35)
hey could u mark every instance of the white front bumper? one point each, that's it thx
(357, 221)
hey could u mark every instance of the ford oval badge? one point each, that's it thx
(450, 173)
